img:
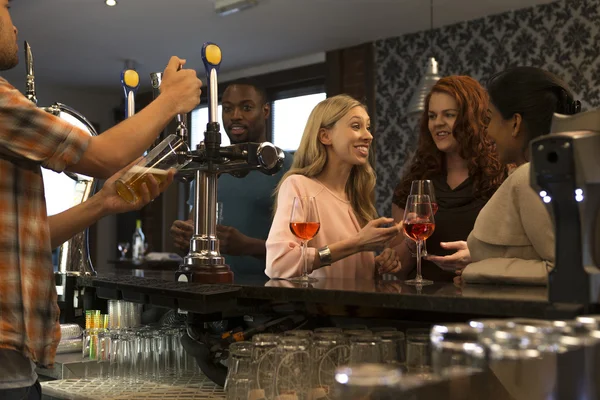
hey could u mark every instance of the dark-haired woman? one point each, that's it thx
(513, 237)
(453, 152)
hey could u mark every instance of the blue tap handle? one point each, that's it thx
(130, 80)
(211, 56)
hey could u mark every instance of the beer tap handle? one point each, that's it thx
(182, 130)
(30, 79)
(211, 56)
(130, 80)
(156, 80)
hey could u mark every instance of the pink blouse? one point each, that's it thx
(338, 222)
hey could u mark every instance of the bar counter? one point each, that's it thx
(159, 288)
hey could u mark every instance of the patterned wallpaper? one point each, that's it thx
(563, 37)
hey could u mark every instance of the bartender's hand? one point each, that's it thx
(374, 236)
(114, 204)
(231, 241)
(388, 262)
(455, 262)
(181, 86)
(181, 232)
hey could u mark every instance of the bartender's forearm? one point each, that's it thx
(121, 144)
(68, 223)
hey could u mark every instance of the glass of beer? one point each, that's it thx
(171, 153)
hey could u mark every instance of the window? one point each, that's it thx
(289, 119)
(199, 121)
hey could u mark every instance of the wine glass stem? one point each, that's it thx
(419, 249)
(304, 259)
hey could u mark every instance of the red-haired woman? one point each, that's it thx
(455, 154)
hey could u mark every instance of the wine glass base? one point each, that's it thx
(419, 282)
(303, 279)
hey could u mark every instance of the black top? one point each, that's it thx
(458, 210)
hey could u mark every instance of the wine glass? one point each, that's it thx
(425, 187)
(304, 224)
(419, 224)
(123, 248)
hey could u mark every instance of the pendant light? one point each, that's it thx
(431, 76)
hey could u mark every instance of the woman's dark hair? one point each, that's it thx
(470, 133)
(533, 93)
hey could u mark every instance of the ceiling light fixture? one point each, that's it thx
(417, 103)
(227, 7)
(111, 3)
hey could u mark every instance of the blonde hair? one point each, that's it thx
(311, 156)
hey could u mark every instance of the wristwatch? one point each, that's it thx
(324, 256)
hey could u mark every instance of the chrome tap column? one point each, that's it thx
(204, 262)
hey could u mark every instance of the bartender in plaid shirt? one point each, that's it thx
(29, 139)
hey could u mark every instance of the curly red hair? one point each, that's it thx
(470, 131)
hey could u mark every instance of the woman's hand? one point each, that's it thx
(150, 189)
(455, 262)
(374, 237)
(387, 262)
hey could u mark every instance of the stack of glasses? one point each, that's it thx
(491, 359)
(126, 351)
(301, 364)
(144, 353)
(94, 324)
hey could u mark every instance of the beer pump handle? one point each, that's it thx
(130, 80)
(30, 78)
(182, 130)
(211, 56)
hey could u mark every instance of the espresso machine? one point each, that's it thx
(565, 170)
(204, 263)
(73, 255)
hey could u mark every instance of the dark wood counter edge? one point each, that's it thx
(208, 298)
(412, 302)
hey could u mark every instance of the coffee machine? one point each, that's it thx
(565, 170)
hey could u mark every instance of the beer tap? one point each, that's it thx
(130, 80)
(30, 78)
(156, 80)
(204, 263)
(182, 130)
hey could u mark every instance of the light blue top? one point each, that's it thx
(248, 207)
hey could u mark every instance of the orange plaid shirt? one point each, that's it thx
(29, 139)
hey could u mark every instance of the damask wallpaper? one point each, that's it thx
(563, 37)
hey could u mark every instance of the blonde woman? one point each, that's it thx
(332, 165)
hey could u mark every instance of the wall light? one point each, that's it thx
(111, 3)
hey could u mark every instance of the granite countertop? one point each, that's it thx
(159, 288)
